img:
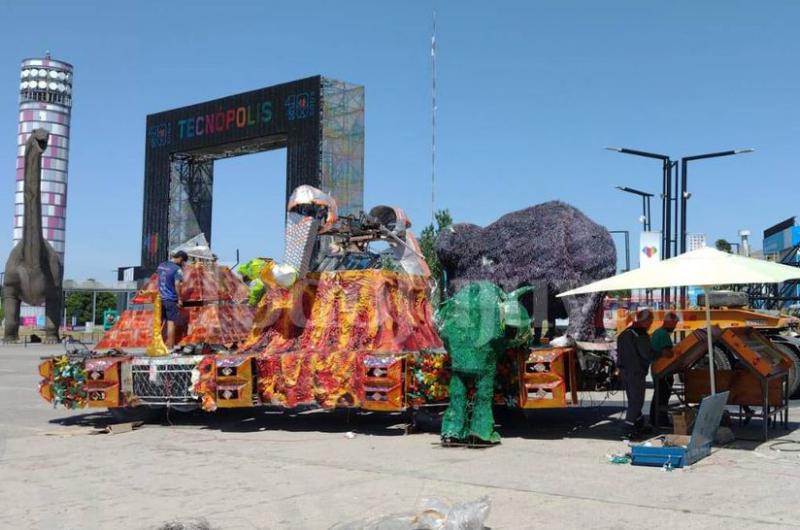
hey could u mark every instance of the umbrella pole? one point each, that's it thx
(710, 344)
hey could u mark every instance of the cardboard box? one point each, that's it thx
(683, 420)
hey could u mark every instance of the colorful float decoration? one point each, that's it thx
(342, 320)
(215, 312)
(337, 324)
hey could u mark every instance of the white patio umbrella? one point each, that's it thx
(703, 268)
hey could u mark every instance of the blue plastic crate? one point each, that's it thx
(675, 451)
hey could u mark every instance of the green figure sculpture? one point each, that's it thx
(479, 322)
(251, 275)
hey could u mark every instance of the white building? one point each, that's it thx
(695, 241)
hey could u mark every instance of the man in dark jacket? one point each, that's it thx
(634, 356)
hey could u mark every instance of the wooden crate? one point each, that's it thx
(546, 378)
(384, 384)
(234, 381)
(103, 382)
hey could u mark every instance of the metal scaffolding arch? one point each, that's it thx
(190, 194)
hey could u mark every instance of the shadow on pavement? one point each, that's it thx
(97, 419)
(337, 421)
(253, 420)
(601, 422)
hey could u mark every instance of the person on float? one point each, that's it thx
(170, 276)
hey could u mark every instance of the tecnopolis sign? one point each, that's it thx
(319, 121)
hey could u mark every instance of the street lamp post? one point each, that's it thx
(667, 198)
(684, 194)
(645, 204)
(666, 193)
(666, 201)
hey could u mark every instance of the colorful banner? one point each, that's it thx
(649, 248)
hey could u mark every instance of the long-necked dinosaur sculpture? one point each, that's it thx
(33, 269)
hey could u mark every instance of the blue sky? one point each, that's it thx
(529, 93)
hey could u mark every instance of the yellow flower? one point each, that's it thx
(62, 362)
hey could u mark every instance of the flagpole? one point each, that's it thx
(433, 120)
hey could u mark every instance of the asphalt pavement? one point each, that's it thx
(254, 469)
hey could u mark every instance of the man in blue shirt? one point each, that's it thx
(170, 276)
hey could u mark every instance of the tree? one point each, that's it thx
(427, 242)
(79, 305)
(723, 245)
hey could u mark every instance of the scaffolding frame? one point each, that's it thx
(342, 146)
(772, 296)
(191, 184)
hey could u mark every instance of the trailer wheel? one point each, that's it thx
(722, 360)
(794, 370)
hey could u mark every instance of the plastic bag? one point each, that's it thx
(433, 514)
(565, 341)
(467, 515)
(278, 275)
(285, 275)
(616, 458)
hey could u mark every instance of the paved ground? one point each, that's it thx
(302, 472)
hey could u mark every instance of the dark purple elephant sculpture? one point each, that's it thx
(551, 246)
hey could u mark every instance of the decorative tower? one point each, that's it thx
(45, 101)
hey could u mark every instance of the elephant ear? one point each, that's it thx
(513, 313)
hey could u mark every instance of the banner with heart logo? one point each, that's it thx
(649, 248)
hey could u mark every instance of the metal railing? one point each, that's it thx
(164, 381)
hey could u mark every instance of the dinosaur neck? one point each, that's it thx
(32, 239)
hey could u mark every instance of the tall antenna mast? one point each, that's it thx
(433, 119)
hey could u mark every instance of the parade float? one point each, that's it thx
(344, 320)
(338, 324)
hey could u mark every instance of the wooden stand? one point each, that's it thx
(760, 377)
(548, 378)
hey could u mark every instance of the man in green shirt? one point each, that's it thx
(661, 345)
